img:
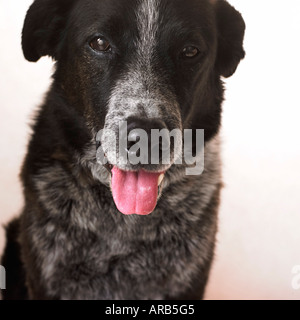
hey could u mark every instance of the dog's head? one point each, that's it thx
(154, 64)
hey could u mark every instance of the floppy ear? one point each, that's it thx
(231, 30)
(43, 28)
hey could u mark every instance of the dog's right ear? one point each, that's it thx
(231, 30)
(43, 28)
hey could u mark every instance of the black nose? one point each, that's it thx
(147, 125)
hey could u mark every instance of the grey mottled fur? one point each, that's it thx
(70, 257)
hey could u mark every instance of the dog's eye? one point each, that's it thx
(190, 52)
(100, 44)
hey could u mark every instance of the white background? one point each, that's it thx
(259, 237)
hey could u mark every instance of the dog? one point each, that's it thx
(114, 231)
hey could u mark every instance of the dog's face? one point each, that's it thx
(155, 64)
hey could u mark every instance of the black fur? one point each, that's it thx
(15, 275)
(70, 239)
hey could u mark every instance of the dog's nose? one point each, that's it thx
(152, 127)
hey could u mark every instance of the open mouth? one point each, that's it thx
(135, 192)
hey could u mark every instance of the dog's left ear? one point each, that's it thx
(231, 30)
(43, 28)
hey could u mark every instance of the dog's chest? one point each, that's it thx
(99, 254)
(116, 269)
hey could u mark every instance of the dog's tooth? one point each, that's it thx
(160, 179)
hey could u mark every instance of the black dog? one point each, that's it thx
(157, 65)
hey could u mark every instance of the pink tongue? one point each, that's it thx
(135, 192)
